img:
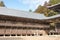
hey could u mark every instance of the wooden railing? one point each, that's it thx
(23, 25)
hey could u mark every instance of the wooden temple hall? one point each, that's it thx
(21, 23)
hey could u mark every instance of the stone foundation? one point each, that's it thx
(50, 37)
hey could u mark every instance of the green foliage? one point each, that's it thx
(30, 10)
(52, 2)
(47, 12)
(2, 4)
(51, 13)
(41, 9)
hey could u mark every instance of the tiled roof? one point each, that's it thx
(19, 13)
(53, 5)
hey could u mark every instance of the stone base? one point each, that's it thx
(50, 37)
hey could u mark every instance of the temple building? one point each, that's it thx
(21, 23)
(56, 21)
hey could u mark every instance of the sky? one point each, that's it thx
(25, 5)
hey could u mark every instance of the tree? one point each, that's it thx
(51, 13)
(30, 10)
(44, 10)
(2, 4)
(41, 9)
(46, 4)
(52, 2)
